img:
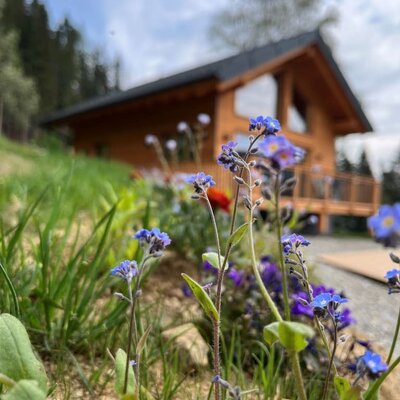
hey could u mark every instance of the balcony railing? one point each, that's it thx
(319, 191)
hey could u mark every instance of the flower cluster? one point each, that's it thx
(201, 182)
(292, 242)
(154, 241)
(126, 270)
(326, 303)
(372, 364)
(269, 124)
(281, 152)
(228, 158)
(385, 225)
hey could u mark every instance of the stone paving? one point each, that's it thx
(375, 311)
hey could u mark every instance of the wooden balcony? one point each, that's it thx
(317, 192)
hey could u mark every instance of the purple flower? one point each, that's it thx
(155, 240)
(393, 274)
(228, 159)
(256, 123)
(322, 301)
(292, 242)
(236, 276)
(337, 299)
(126, 270)
(372, 362)
(393, 277)
(187, 292)
(385, 225)
(280, 151)
(299, 308)
(345, 319)
(272, 125)
(201, 182)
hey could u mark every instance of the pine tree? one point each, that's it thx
(391, 184)
(363, 167)
(18, 97)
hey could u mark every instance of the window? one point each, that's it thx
(259, 97)
(298, 114)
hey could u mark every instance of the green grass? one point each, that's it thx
(26, 170)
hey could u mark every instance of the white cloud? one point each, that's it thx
(156, 37)
(367, 39)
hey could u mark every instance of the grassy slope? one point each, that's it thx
(26, 170)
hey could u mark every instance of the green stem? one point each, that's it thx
(132, 325)
(328, 375)
(235, 204)
(374, 388)
(280, 249)
(216, 323)
(294, 358)
(394, 342)
(316, 321)
(254, 265)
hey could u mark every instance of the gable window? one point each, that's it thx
(258, 97)
(298, 110)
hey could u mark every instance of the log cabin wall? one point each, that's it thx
(122, 134)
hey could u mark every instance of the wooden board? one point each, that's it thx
(370, 263)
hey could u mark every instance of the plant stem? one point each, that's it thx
(394, 342)
(324, 393)
(294, 357)
(254, 265)
(12, 290)
(132, 325)
(280, 249)
(235, 204)
(374, 388)
(316, 320)
(216, 323)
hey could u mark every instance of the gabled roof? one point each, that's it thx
(222, 70)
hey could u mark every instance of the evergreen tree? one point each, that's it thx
(391, 184)
(63, 71)
(343, 164)
(246, 24)
(18, 97)
(363, 167)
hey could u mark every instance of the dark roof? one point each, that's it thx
(221, 70)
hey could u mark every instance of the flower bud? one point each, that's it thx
(238, 180)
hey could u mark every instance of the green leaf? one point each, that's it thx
(212, 258)
(142, 341)
(120, 365)
(237, 235)
(25, 389)
(17, 359)
(342, 385)
(270, 333)
(202, 297)
(292, 335)
(353, 393)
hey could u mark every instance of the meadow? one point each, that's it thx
(117, 284)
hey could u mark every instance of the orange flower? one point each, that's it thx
(218, 199)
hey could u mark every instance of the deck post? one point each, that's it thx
(324, 223)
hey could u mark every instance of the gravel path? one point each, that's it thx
(375, 311)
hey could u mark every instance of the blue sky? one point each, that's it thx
(155, 38)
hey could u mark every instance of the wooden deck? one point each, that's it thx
(317, 192)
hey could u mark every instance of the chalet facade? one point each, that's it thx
(295, 80)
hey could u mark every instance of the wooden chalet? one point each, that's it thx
(295, 80)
